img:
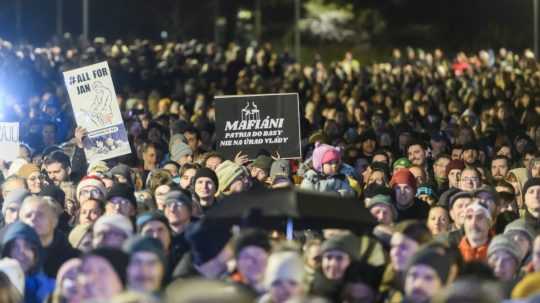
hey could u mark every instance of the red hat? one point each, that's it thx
(403, 176)
(454, 164)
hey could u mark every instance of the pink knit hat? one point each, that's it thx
(324, 153)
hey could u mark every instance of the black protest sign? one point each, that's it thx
(252, 123)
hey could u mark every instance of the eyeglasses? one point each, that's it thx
(90, 192)
(175, 204)
(119, 201)
(469, 179)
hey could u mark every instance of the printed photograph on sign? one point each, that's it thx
(93, 98)
(252, 124)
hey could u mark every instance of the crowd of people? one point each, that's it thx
(442, 151)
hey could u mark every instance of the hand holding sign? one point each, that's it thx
(80, 133)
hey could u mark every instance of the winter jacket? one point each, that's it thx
(471, 254)
(57, 253)
(320, 183)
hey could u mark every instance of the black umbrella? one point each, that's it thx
(305, 209)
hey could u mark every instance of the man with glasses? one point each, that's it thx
(34, 179)
(121, 200)
(469, 179)
(90, 187)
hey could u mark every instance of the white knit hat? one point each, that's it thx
(115, 220)
(284, 265)
(14, 272)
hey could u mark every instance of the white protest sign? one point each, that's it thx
(93, 98)
(9, 141)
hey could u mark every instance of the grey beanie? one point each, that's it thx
(504, 242)
(381, 199)
(178, 150)
(280, 168)
(522, 226)
(17, 196)
(346, 242)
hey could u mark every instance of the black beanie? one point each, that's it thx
(208, 173)
(145, 244)
(116, 258)
(252, 237)
(54, 192)
(124, 191)
(356, 273)
(346, 242)
(433, 258)
(207, 239)
(531, 182)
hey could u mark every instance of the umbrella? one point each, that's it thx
(297, 209)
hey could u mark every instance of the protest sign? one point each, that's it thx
(93, 98)
(9, 141)
(252, 123)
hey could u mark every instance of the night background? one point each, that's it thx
(376, 25)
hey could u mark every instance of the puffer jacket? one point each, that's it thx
(330, 184)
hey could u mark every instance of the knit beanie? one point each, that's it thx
(14, 197)
(175, 196)
(27, 169)
(284, 265)
(346, 242)
(78, 233)
(116, 258)
(227, 172)
(94, 182)
(505, 243)
(208, 173)
(433, 258)
(425, 189)
(115, 220)
(145, 244)
(454, 164)
(521, 226)
(122, 170)
(13, 270)
(178, 150)
(530, 183)
(148, 217)
(403, 176)
(280, 167)
(252, 237)
(320, 156)
(263, 162)
(206, 239)
(124, 191)
(402, 163)
(381, 200)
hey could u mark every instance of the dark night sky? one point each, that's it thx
(451, 23)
